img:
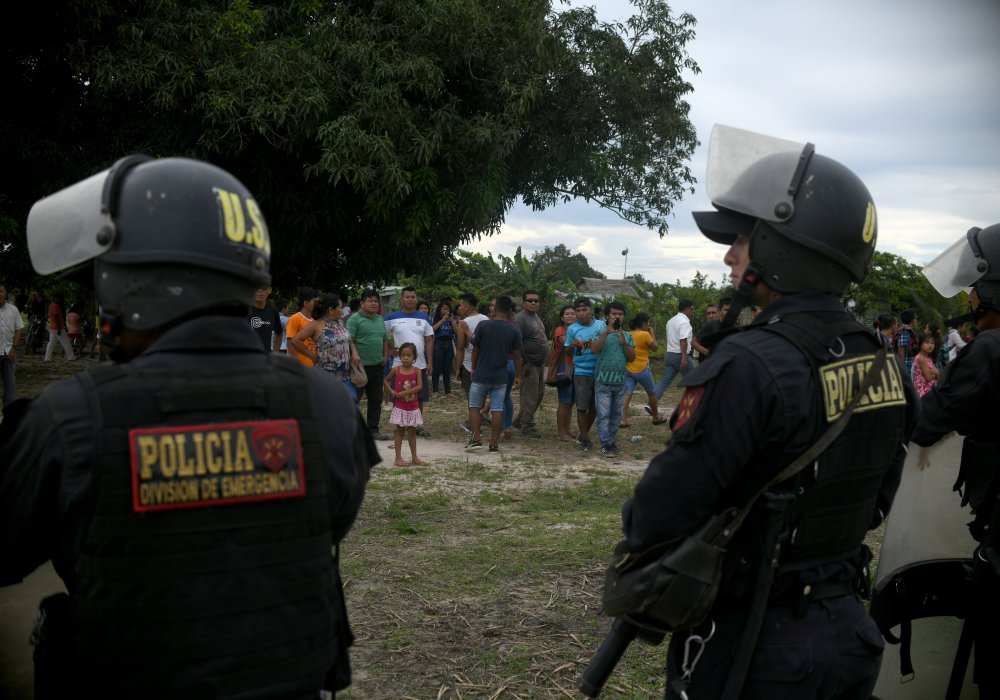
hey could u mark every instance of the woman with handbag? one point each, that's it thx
(561, 365)
(335, 351)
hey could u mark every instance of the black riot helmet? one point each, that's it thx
(971, 261)
(811, 221)
(167, 238)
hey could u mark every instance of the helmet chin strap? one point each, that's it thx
(744, 294)
(111, 328)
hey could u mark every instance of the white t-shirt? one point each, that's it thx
(10, 323)
(409, 328)
(678, 328)
(955, 343)
(471, 321)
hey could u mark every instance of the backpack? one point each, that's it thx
(913, 340)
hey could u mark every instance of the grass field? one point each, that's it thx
(480, 576)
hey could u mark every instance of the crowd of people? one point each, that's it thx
(67, 328)
(924, 355)
(495, 352)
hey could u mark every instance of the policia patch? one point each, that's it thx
(189, 466)
(840, 380)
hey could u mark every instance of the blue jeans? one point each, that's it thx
(351, 389)
(610, 400)
(508, 402)
(444, 358)
(671, 368)
(643, 379)
(478, 393)
(7, 374)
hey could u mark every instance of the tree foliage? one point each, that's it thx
(377, 134)
(894, 285)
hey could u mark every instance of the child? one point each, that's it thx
(404, 384)
(925, 373)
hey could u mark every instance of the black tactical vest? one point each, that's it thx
(206, 570)
(836, 496)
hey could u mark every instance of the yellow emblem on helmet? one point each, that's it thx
(234, 220)
(868, 233)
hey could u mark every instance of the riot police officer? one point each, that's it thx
(967, 400)
(800, 227)
(192, 494)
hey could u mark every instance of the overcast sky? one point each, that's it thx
(904, 92)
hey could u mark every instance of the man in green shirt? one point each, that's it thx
(367, 329)
(615, 348)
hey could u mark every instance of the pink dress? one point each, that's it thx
(406, 412)
(919, 382)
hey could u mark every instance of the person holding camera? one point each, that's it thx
(444, 347)
(614, 348)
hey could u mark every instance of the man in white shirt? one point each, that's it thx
(678, 358)
(411, 326)
(10, 333)
(464, 332)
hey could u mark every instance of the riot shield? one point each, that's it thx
(922, 585)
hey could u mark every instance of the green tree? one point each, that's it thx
(558, 265)
(894, 285)
(377, 134)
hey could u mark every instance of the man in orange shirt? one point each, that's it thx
(307, 297)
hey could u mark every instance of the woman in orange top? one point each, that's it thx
(638, 369)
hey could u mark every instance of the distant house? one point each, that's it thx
(604, 289)
(389, 299)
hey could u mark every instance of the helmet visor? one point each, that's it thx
(63, 229)
(732, 153)
(957, 268)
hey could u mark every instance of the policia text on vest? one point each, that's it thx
(841, 379)
(220, 463)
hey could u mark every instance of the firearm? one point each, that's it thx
(616, 641)
(608, 655)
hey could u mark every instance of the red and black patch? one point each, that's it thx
(190, 466)
(688, 406)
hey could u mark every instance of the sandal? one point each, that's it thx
(567, 438)
(626, 425)
(418, 462)
(660, 420)
(400, 463)
(648, 410)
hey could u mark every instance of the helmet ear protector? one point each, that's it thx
(110, 193)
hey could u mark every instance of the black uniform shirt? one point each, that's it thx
(967, 396)
(45, 471)
(750, 409)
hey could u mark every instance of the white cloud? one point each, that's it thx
(904, 92)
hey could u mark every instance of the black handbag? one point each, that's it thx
(673, 585)
(558, 373)
(563, 376)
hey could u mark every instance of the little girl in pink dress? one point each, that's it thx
(404, 384)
